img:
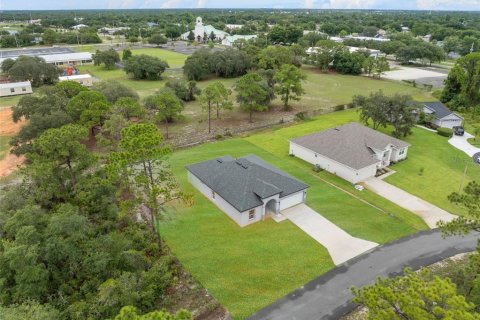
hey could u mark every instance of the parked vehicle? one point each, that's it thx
(458, 131)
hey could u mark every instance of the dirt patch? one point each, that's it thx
(9, 128)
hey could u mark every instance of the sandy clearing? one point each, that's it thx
(8, 128)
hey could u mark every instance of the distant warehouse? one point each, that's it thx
(60, 59)
(15, 88)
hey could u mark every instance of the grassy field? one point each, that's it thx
(4, 146)
(443, 167)
(174, 59)
(9, 101)
(248, 268)
(327, 90)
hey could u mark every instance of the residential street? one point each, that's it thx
(328, 296)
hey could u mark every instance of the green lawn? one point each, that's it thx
(248, 268)
(9, 101)
(4, 146)
(174, 59)
(327, 90)
(443, 167)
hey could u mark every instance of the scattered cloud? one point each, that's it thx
(349, 4)
(168, 4)
(448, 4)
(308, 4)
(201, 3)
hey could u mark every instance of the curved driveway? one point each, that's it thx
(328, 296)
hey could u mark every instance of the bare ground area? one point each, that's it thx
(9, 162)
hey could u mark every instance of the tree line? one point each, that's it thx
(81, 233)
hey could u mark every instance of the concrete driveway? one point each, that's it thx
(340, 245)
(461, 143)
(428, 212)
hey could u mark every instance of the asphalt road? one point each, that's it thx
(328, 296)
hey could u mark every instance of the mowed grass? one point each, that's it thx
(328, 90)
(443, 168)
(143, 87)
(10, 101)
(249, 268)
(174, 59)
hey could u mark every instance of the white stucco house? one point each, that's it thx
(246, 189)
(352, 151)
(441, 115)
(200, 31)
(15, 88)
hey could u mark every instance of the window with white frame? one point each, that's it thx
(213, 194)
(251, 214)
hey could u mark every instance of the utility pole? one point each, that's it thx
(471, 48)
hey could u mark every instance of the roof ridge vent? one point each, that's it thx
(242, 163)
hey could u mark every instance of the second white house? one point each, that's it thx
(352, 151)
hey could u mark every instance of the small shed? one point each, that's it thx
(15, 88)
(84, 79)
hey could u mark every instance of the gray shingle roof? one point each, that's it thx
(243, 182)
(439, 109)
(350, 144)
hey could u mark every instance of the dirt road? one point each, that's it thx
(8, 128)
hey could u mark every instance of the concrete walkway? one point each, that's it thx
(461, 143)
(329, 296)
(428, 212)
(340, 245)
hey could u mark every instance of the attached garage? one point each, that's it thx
(292, 200)
(246, 189)
(442, 116)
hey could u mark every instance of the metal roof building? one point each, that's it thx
(78, 58)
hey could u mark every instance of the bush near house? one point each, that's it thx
(445, 132)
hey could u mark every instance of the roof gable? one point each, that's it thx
(244, 182)
(439, 110)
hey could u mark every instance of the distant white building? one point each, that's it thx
(234, 26)
(405, 29)
(230, 40)
(373, 53)
(200, 31)
(368, 38)
(60, 59)
(79, 26)
(15, 88)
(84, 79)
(111, 31)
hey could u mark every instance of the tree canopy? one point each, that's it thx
(145, 67)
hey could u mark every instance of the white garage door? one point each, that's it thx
(291, 200)
(450, 123)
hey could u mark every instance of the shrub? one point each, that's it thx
(445, 132)
(302, 116)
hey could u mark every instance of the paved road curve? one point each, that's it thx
(328, 296)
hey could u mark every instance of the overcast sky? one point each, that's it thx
(315, 4)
